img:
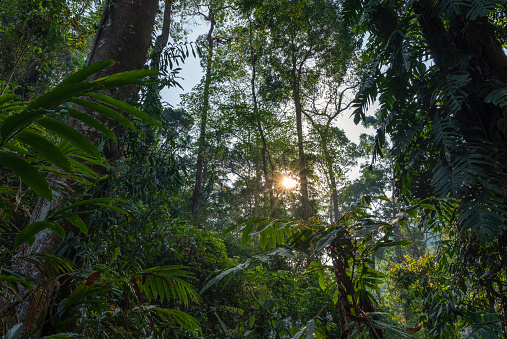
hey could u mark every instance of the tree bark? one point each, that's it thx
(163, 37)
(268, 182)
(303, 179)
(196, 197)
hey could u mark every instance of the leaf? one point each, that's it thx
(222, 324)
(70, 134)
(30, 176)
(61, 94)
(181, 318)
(18, 121)
(280, 237)
(45, 148)
(428, 207)
(92, 278)
(6, 98)
(97, 201)
(245, 236)
(75, 220)
(326, 240)
(27, 235)
(15, 332)
(125, 107)
(125, 78)
(62, 336)
(86, 72)
(91, 121)
(108, 112)
(272, 236)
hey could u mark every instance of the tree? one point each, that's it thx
(438, 70)
(312, 36)
(212, 12)
(124, 26)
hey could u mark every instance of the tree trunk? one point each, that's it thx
(332, 180)
(163, 37)
(204, 119)
(303, 179)
(124, 35)
(267, 179)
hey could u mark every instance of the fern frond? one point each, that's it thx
(181, 318)
(486, 326)
(167, 282)
(483, 212)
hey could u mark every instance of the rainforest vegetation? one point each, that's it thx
(251, 208)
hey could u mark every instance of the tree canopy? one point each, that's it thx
(235, 213)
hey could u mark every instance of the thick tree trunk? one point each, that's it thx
(204, 120)
(124, 35)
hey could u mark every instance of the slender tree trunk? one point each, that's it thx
(163, 38)
(332, 179)
(303, 179)
(267, 179)
(204, 119)
(124, 35)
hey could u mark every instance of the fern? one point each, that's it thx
(184, 320)
(167, 282)
(486, 326)
(449, 91)
(483, 212)
(480, 8)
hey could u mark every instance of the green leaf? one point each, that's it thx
(17, 149)
(75, 220)
(30, 176)
(396, 243)
(61, 94)
(108, 112)
(6, 98)
(412, 212)
(280, 237)
(161, 289)
(125, 78)
(245, 236)
(125, 107)
(97, 201)
(70, 134)
(86, 72)
(264, 239)
(18, 121)
(15, 332)
(92, 121)
(272, 236)
(222, 324)
(429, 207)
(251, 322)
(229, 229)
(326, 240)
(27, 235)
(183, 319)
(45, 148)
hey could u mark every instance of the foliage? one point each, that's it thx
(349, 243)
(441, 105)
(27, 131)
(42, 42)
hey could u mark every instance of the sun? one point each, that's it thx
(289, 183)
